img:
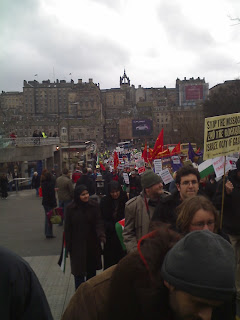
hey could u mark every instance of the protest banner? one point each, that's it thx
(218, 165)
(176, 160)
(140, 165)
(233, 161)
(126, 177)
(166, 176)
(158, 166)
(221, 135)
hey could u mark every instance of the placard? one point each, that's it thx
(218, 165)
(126, 177)
(158, 166)
(176, 160)
(166, 176)
(232, 161)
(221, 135)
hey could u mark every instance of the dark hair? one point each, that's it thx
(46, 175)
(189, 207)
(65, 171)
(185, 171)
(114, 186)
(77, 192)
(84, 170)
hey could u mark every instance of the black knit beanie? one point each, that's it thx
(203, 265)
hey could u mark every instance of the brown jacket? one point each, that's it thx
(137, 220)
(91, 298)
(65, 188)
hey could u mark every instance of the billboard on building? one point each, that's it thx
(194, 92)
(142, 127)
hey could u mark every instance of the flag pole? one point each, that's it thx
(224, 178)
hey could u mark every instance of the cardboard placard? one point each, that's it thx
(158, 166)
(166, 176)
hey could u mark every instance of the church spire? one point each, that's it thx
(124, 80)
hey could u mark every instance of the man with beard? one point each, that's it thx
(139, 210)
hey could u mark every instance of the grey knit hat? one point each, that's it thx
(149, 178)
(203, 265)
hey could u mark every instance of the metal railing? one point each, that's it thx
(27, 141)
(20, 182)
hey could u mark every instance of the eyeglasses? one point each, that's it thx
(201, 224)
(187, 182)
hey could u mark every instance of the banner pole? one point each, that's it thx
(223, 187)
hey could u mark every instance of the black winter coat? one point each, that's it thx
(83, 231)
(48, 194)
(35, 181)
(231, 212)
(112, 212)
(22, 296)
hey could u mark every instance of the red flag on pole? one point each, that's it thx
(145, 153)
(102, 166)
(158, 144)
(176, 149)
(116, 160)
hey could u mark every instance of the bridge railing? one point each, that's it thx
(28, 141)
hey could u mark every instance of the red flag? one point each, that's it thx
(116, 160)
(102, 166)
(159, 143)
(144, 153)
(176, 149)
(165, 153)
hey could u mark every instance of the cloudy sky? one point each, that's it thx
(156, 41)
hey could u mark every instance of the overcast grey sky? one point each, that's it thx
(156, 41)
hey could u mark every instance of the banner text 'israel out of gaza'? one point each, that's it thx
(221, 135)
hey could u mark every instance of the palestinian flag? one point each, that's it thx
(119, 226)
(206, 168)
(62, 259)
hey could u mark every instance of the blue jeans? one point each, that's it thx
(63, 205)
(48, 225)
(37, 192)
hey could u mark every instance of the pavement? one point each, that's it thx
(22, 231)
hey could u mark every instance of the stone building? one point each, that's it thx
(81, 111)
(46, 97)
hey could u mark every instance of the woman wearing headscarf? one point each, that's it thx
(112, 210)
(84, 231)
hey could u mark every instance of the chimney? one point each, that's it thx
(90, 80)
(80, 81)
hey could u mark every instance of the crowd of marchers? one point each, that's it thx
(175, 258)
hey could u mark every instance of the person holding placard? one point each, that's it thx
(231, 216)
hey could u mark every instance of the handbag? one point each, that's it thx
(40, 192)
(55, 216)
